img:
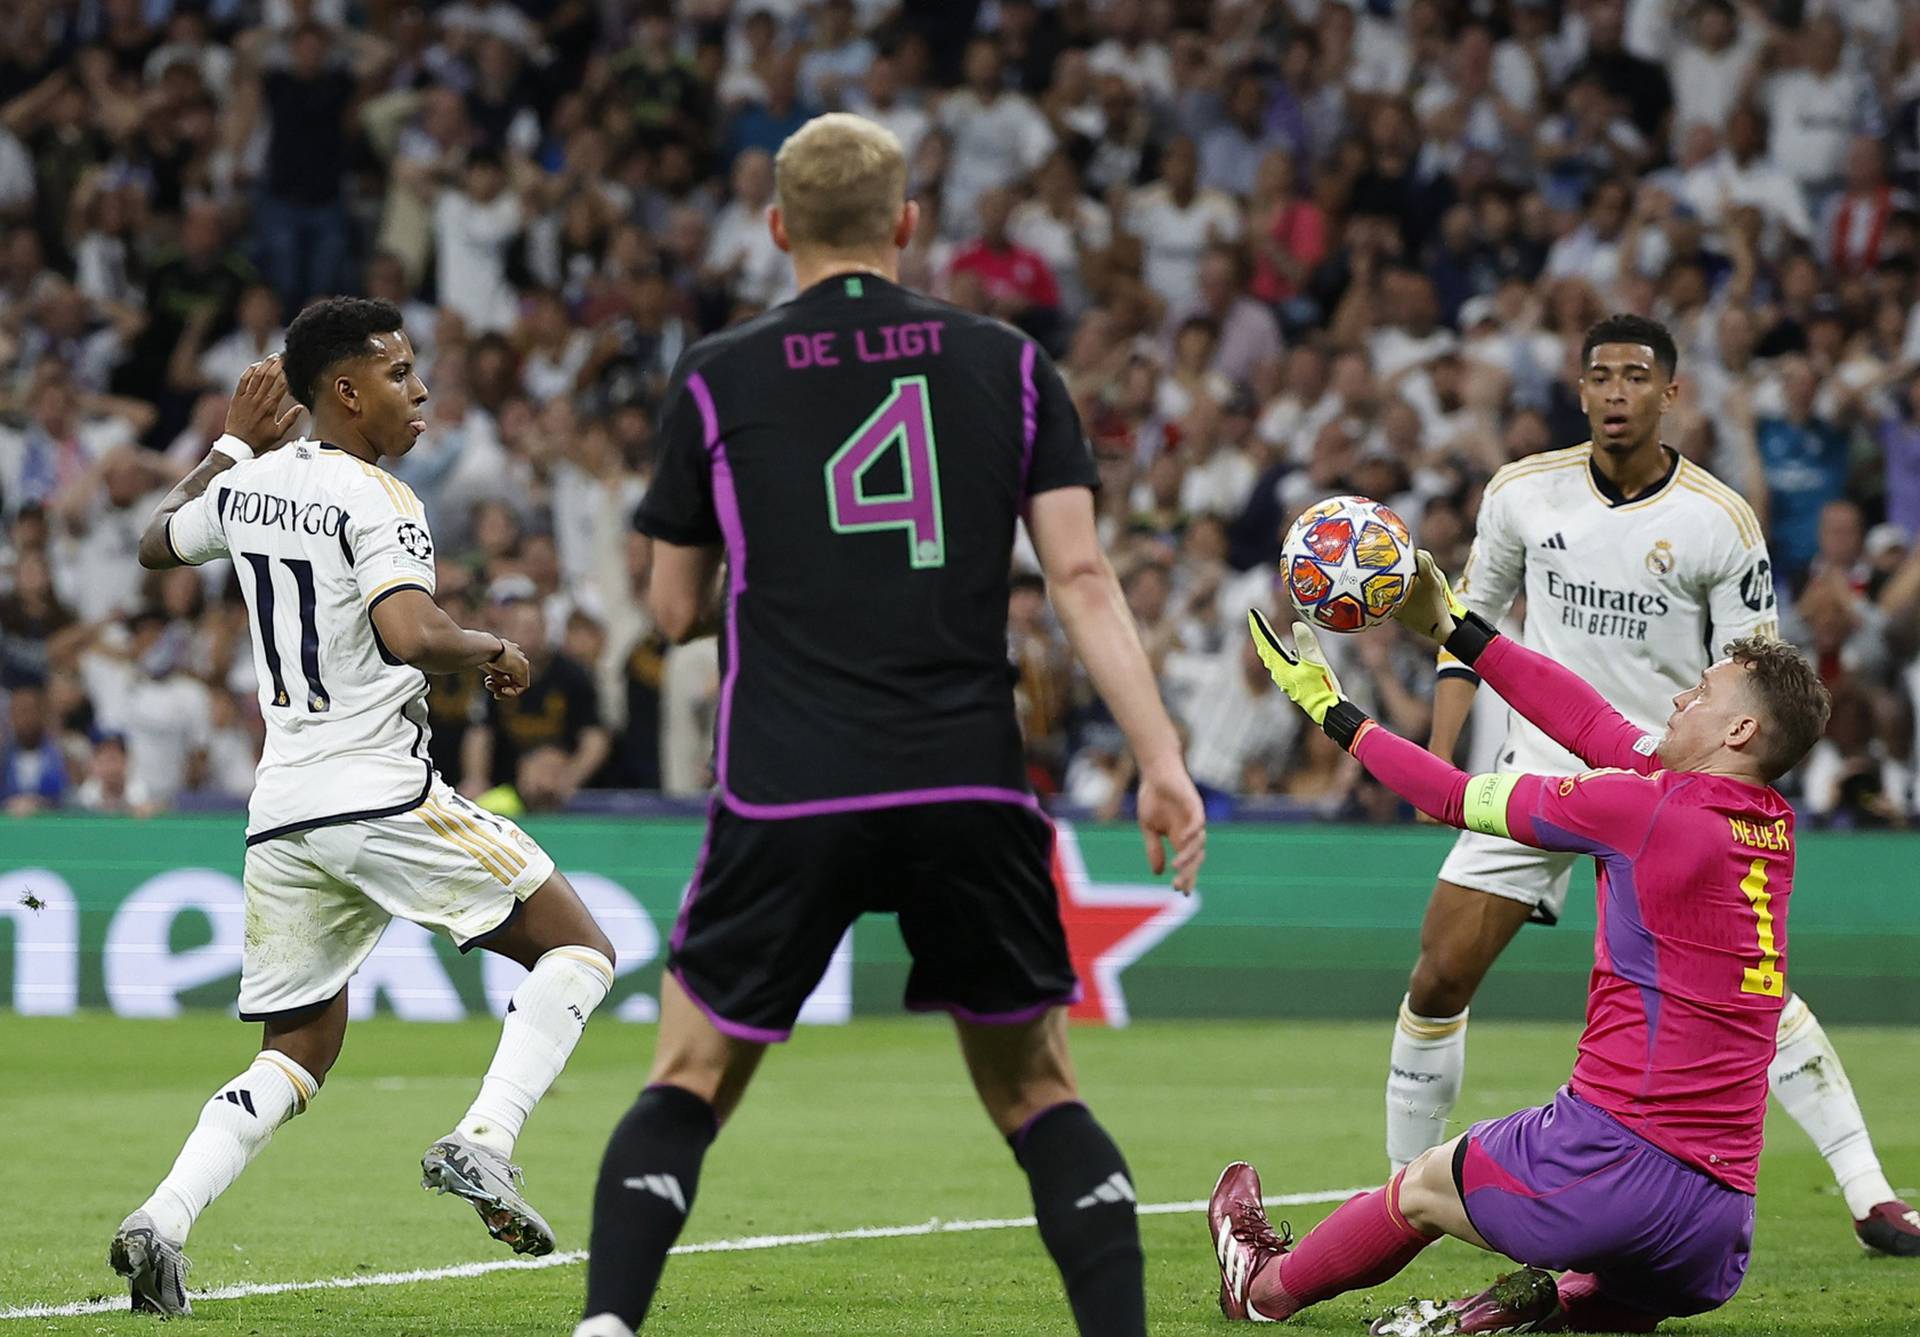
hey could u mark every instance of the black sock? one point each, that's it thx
(1083, 1197)
(647, 1180)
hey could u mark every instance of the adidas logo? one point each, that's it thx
(241, 1097)
(1115, 1189)
(1557, 542)
(668, 1187)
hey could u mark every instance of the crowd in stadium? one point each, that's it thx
(1279, 249)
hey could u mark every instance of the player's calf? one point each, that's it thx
(233, 1128)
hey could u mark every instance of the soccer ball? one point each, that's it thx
(1347, 563)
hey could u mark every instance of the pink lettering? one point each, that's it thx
(799, 352)
(823, 354)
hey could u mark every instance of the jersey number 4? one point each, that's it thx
(904, 421)
(309, 630)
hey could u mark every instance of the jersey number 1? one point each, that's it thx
(309, 630)
(1767, 977)
(904, 419)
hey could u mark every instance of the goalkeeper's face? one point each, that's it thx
(1711, 719)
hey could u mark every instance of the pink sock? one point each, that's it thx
(1584, 1307)
(1362, 1244)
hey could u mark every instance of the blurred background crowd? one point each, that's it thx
(1280, 249)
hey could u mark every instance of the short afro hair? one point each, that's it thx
(1626, 329)
(328, 333)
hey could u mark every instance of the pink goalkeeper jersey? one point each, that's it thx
(1694, 875)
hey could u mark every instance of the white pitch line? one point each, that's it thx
(740, 1245)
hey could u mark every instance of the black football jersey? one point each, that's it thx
(863, 453)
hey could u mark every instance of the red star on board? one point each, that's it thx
(1109, 927)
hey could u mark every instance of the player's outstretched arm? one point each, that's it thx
(1548, 694)
(1494, 804)
(418, 631)
(254, 424)
(1094, 614)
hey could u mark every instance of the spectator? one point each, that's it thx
(1016, 283)
(1710, 67)
(545, 743)
(996, 136)
(741, 256)
(1806, 458)
(473, 228)
(33, 774)
(1176, 222)
(1289, 234)
(1238, 735)
(1817, 107)
(302, 215)
(110, 788)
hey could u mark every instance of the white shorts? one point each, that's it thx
(1502, 867)
(318, 901)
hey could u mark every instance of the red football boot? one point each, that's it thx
(1247, 1245)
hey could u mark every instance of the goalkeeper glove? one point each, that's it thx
(1302, 673)
(1431, 609)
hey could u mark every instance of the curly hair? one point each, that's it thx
(1628, 329)
(1791, 697)
(329, 332)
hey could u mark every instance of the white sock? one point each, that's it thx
(233, 1127)
(603, 1325)
(1423, 1081)
(1812, 1086)
(544, 1021)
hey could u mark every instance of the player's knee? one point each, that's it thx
(1428, 1199)
(1442, 984)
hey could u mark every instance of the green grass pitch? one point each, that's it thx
(867, 1125)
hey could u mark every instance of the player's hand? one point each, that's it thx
(254, 415)
(1301, 672)
(508, 673)
(1170, 811)
(1431, 608)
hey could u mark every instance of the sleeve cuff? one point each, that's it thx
(167, 530)
(393, 587)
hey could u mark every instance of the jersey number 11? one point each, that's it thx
(309, 630)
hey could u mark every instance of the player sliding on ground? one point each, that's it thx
(1637, 1181)
(349, 825)
(1634, 562)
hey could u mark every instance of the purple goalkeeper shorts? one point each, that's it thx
(1567, 1187)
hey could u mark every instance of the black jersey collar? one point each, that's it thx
(1610, 491)
(856, 283)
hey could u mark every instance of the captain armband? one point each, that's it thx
(1486, 804)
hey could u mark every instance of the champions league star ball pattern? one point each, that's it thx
(1348, 562)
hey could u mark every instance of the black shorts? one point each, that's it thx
(971, 882)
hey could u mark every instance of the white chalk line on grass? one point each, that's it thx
(743, 1244)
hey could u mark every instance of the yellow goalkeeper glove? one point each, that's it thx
(1431, 608)
(1302, 672)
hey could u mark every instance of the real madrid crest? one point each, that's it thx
(1660, 558)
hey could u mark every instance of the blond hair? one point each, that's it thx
(840, 180)
(1791, 696)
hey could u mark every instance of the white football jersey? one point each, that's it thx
(318, 538)
(1637, 597)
